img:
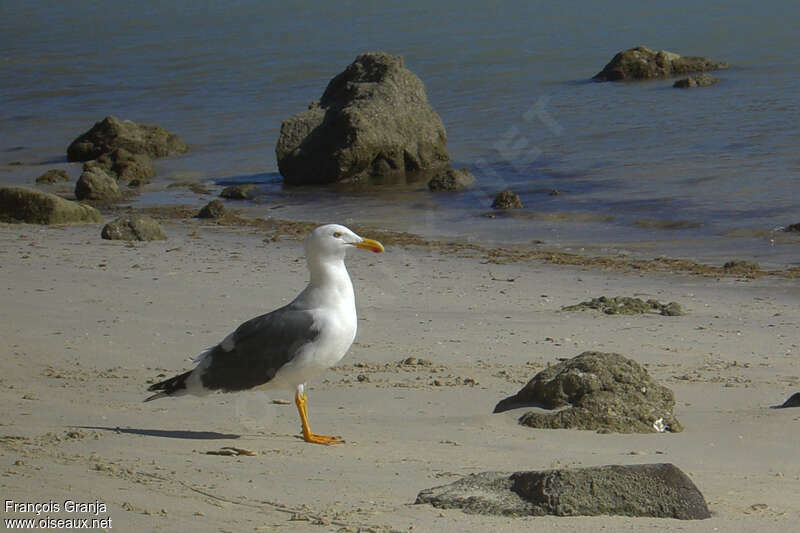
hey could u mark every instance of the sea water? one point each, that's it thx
(708, 174)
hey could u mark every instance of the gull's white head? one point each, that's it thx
(333, 240)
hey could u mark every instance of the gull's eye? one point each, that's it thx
(337, 234)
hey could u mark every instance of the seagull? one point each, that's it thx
(290, 345)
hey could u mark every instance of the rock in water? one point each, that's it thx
(598, 391)
(698, 80)
(658, 490)
(110, 133)
(21, 204)
(244, 191)
(373, 120)
(642, 63)
(452, 180)
(507, 199)
(133, 228)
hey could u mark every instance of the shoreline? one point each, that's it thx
(498, 254)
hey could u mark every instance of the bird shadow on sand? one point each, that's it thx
(168, 433)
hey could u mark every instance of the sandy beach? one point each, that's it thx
(86, 324)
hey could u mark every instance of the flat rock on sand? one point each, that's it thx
(21, 204)
(598, 391)
(658, 490)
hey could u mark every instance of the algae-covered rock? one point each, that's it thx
(21, 204)
(134, 228)
(625, 305)
(659, 490)
(597, 391)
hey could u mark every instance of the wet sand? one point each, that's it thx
(86, 324)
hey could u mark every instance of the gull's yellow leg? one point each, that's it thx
(300, 400)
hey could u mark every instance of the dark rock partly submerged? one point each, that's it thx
(658, 490)
(507, 199)
(373, 120)
(21, 204)
(698, 80)
(642, 63)
(452, 180)
(596, 391)
(244, 191)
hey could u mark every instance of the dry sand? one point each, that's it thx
(85, 324)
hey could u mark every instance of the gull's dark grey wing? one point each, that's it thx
(252, 355)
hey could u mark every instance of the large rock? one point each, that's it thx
(642, 63)
(598, 391)
(651, 490)
(373, 120)
(98, 185)
(21, 204)
(110, 133)
(133, 228)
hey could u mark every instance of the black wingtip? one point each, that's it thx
(168, 387)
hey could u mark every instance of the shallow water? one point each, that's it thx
(706, 174)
